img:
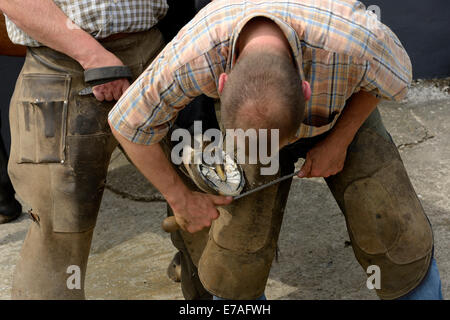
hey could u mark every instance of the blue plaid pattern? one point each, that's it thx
(341, 48)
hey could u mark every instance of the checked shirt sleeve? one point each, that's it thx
(388, 73)
(148, 109)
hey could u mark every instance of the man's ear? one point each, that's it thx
(306, 90)
(223, 78)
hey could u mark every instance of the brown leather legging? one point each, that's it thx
(385, 221)
(61, 147)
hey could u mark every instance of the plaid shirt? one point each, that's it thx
(341, 48)
(102, 18)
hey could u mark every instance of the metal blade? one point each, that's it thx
(266, 185)
(86, 91)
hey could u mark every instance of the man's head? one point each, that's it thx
(263, 91)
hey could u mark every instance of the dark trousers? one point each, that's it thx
(9, 69)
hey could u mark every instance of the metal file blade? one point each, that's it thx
(266, 185)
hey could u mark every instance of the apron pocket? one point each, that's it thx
(42, 114)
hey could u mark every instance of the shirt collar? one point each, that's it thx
(289, 32)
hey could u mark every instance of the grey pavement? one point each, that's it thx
(130, 252)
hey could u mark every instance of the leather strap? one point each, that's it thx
(97, 76)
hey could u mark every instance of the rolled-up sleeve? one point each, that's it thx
(147, 110)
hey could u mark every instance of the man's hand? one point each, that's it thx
(45, 22)
(112, 90)
(194, 211)
(325, 159)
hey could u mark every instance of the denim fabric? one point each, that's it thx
(430, 288)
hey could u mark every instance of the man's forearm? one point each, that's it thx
(192, 210)
(358, 109)
(155, 166)
(45, 22)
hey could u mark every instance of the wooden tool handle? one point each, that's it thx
(170, 224)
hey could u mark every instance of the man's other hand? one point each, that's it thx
(325, 159)
(195, 211)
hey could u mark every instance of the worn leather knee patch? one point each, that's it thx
(388, 228)
(385, 220)
(237, 276)
(237, 259)
(246, 224)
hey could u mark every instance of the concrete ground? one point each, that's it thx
(130, 252)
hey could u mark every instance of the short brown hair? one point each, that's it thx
(263, 91)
